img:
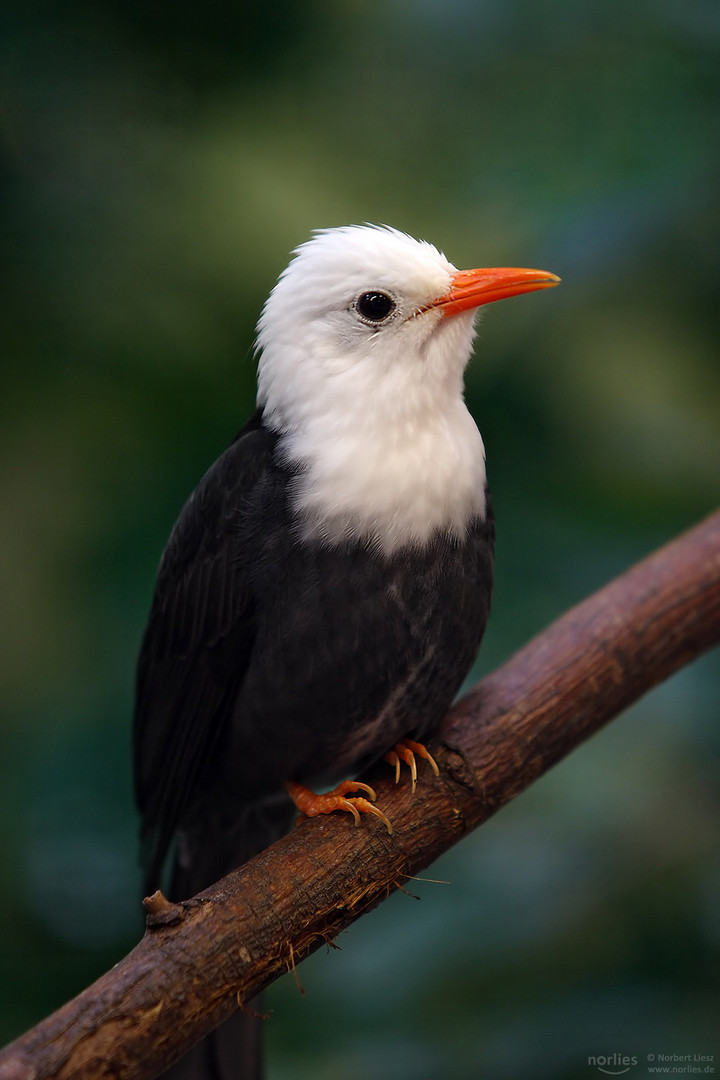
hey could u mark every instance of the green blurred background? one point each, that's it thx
(159, 162)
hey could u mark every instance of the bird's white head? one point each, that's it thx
(363, 343)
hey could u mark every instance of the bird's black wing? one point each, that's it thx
(198, 640)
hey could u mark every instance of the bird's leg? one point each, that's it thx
(311, 805)
(406, 750)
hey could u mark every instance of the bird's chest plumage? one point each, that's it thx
(355, 650)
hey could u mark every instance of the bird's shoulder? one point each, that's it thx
(207, 565)
(215, 511)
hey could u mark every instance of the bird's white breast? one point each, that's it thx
(392, 484)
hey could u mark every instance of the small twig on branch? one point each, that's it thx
(201, 959)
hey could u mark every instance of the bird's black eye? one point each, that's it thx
(374, 306)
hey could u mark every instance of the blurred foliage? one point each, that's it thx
(158, 163)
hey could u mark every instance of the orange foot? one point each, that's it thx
(311, 805)
(405, 751)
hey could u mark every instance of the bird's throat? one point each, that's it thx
(391, 488)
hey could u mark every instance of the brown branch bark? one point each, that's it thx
(200, 959)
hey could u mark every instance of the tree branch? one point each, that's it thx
(200, 959)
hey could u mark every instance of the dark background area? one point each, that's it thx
(158, 164)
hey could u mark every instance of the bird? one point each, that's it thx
(325, 589)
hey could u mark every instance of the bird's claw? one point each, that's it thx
(406, 750)
(311, 804)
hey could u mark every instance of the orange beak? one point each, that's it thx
(471, 288)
